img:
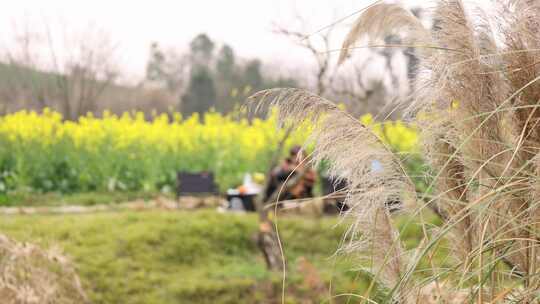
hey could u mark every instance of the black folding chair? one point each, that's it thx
(195, 184)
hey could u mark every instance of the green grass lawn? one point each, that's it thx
(192, 257)
(197, 256)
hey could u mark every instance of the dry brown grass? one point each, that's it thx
(29, 274)
(478, 109)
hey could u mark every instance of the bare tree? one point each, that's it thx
(318, 46)
(68, 71)
(363, 82)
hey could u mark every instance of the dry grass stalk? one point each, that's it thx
(337, 137)
(381, 20)
(487, 98)
(29, 275)
(478, 108)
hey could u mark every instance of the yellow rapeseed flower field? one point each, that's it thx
(42, 152)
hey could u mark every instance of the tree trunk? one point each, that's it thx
(268, 243)
(268, 240)
(268, 236)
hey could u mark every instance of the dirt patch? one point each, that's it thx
(163, 203)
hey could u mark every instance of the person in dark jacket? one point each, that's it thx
(290, 167)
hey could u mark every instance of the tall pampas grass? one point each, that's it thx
(351, 148)
(478, 109)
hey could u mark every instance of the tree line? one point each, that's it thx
(209, 76)
(75, 73)
(78, 72)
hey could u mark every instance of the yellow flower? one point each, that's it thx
(224, 144)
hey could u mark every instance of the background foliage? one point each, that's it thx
(44, 153)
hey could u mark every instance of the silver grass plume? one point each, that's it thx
(351, 148)
(478, 112)
(381, 20)
(471, 95)
(489, 129)
(520, 27)
(439, 134)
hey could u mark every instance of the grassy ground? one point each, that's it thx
(192, 257)
(196, 256)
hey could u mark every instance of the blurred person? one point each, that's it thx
(294, 166)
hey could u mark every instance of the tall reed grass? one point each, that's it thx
(477, 107)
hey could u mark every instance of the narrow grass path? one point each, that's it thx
(160, 202)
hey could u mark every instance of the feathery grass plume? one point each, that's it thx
(351, 148)
(535, 180)
(485, 126)
(521, 37)
(451, 192)
(520, 29)
(29, 274)
(380, 20)
(441, 293)
(445, 96)
(478, 95)
(478, 110)
(477, 107)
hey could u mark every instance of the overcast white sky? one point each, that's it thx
(245, 24)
